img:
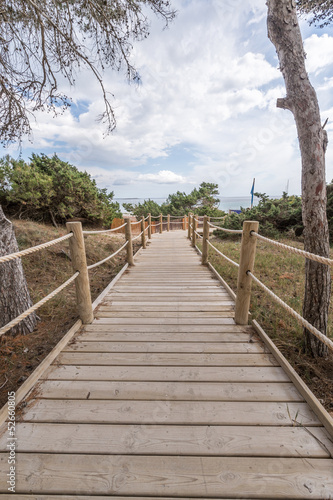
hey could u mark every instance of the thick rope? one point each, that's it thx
(147, 217)
(106, 230)
(133, 239)
(134, 223)
(32, 309)
(291, 311)
(199, 235)
(222, 255)
(28, 251)
(308, 255)
(235, 231)
(147, 228)
(107, 258)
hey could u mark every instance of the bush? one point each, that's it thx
(51, 190)
(275, 217)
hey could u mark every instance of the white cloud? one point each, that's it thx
(163, 177)
(209, 85)
(319, 50)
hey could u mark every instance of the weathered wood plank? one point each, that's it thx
(176, 476)
(165, 347)
(166, 359)
(101, 325)
(113, 313)
(186, 308)
(173, 440)
(167, 321)
(170, 412)
(189, 337)
(167, 373)
(165, 391)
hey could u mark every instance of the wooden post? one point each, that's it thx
(161, 223)
(248, 251)
(128, 235)
(189, 225)
(79, 263)
(194, 228)
(149, 226)
(143, 236)
(205, 240)
(168, 222)
(184, 223)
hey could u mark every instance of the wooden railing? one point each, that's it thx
(250, 235)
(81, 270)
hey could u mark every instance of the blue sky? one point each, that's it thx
(205, 111)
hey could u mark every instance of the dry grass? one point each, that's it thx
(283, 273)
(45, 271)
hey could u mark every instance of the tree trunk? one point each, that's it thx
(301, 100)
(14, 294)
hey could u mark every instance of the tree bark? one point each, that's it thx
(14, 294)
(301, 100)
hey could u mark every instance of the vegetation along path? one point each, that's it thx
(163, 395)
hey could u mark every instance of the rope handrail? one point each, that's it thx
(235, 231)
(136, 222)
(308, 255)
(107, 258)
(155, 216)
(295, 314)
(177, 216)
(146, 218)
(199, 235)
(138, 236)
(28, 251)
(33, 308)
(147, 228)
(104, 231)
(222, 254)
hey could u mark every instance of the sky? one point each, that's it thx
(204, 112)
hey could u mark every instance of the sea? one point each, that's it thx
(226, 203)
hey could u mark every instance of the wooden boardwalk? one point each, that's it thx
(164, 396)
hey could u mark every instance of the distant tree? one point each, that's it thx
(322, 11)
(143, 209)
(301, 100)
(201, 200)
(207, 203)
(41, 41)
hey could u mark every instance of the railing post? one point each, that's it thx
(161, 223)
(168, 222)
(129, 248)
(189, 225)
(247, 257)
(143, 236)
(205, 240)
(149, 226)
(194, 228)
(79, 263)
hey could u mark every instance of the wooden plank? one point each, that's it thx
(165, 347)
(173, 440)
(38, 372)
(175, 476)
(319, 410)
(166, 321)
(105, 336)
(170, 412)
(92, 497)
(165, 306)
(168, 391)
(166, 359)
(167, 373)
(101, 325)
(103, 313)
(100, 336)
